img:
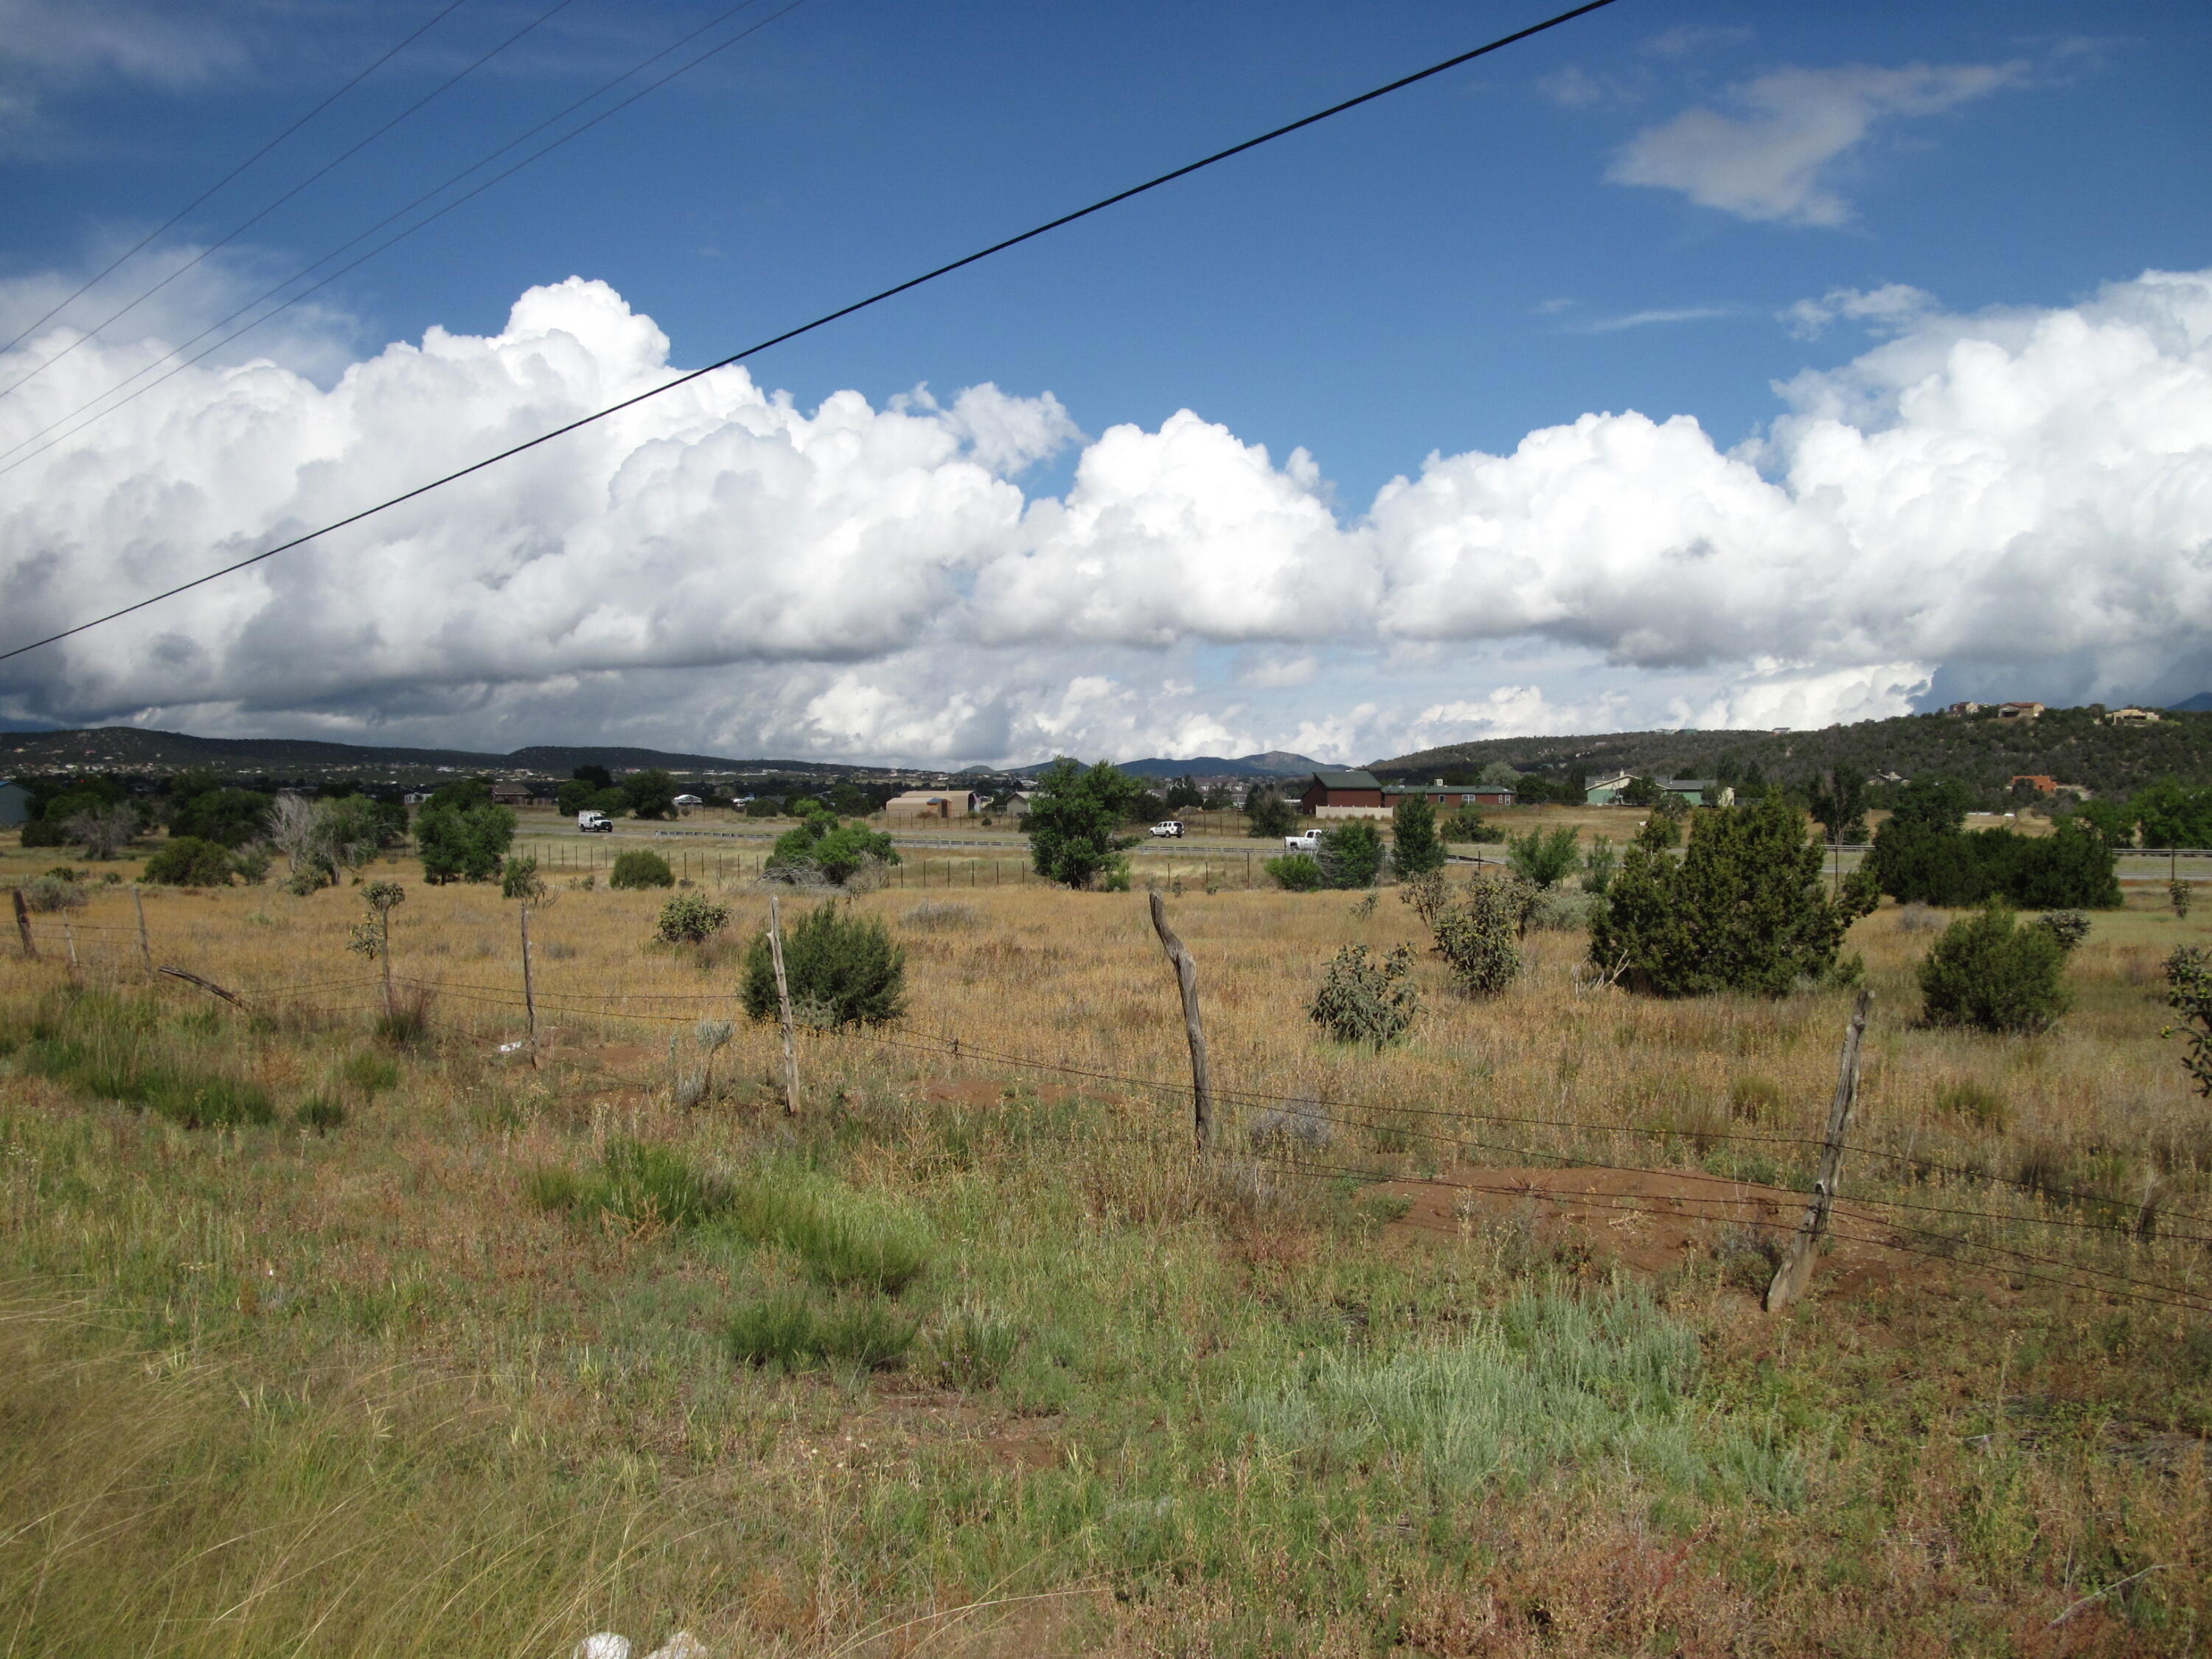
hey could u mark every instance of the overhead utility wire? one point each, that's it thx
(345, 155)
(826, 318)
(390, 241)
(90, 282)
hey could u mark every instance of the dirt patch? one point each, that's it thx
(1649, 1221)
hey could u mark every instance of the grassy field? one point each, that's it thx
(321, 1340)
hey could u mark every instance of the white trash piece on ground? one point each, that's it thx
(682, 1645)
(605, 1644)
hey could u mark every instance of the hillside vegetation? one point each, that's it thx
(2074, 746)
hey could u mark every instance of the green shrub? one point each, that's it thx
(1294, 873)
(188, 861)
(1267, 816)
(1467, 824)
(691, 918)
(1478, 934)
(1074, 822)
(1989, 972)
(639, 868)
(820, 848)
(2189, 993)
(1366, 999)
(1980, 1105)
(1543, 858)
(1350, 855)
(320, 1114)
(2176, 897)
(2073, 867)
(1746, 908)
(52, 892)
(520, 880)
(461, 836)
(846, 968)
(2068, 927)
(1415, 847)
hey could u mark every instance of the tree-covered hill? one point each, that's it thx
(2078, 746)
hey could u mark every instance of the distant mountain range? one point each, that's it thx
(132, 749)
(1274, 763)
(2199, 704)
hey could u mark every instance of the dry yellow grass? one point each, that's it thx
(580, 1365)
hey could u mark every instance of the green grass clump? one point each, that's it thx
(1755, 1099)
(785, 1331)
(1977, 1102)
(320, 1114)
(636, 1182)
(975, 1347)
(369, 1071)
(844, 1238)
(1552, 1384)
(110, 1049)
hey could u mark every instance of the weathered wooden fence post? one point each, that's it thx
(529, 992)
(23, 926)
(1796, 1269)
(69, 938)
(1186, 967)
(145, 947)
(783, 1004)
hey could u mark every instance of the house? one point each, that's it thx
(921, 803)
(1962, 708)
(416, 797)
(2043, 782)
(2018, 711)
(1351, 794)
(690, 800)
(2132, 717)
(510, 793)
(1361, 794)
(1699, 791)
(15, 804)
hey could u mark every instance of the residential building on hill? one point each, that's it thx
(15, 804)
(1361, 794)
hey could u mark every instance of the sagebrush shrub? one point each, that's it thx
(52, 892)
(639, 868)
(847, 967)
(188, 861)
(1989, 972)
(1478, 934)
(691, 918)
(2068, 927)
(1367, 999)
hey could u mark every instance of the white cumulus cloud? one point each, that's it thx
(1766, 155)
(2022, 495)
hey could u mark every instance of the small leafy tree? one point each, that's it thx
(1639, 791)
(1367, 999)
(231, 816)
(1416, 848)
(2177, 896)
(2189, 992)
(1270, 816)
(462, 842)
(2068, 927)
(1599, 864)
(1350, 855)
(691, 918)
(1295, 872)
(1838, 805)
(822, 849)
(1478, 934)
(1074, 820)
(841, 969)
(640, 868)
(1989, 972)
(1744, 909)
(188, 861)
(651, 794)
(1543, 858)
(520, 880)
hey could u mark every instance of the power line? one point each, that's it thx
(232, 235)
(91, 283)
(390, 241)
(827, 318)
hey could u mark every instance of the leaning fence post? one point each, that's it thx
(1186, 967)
(145, 949)
(783, 1004)
(529, 993)
(23, 926)
(69, 938)
(1796, 1269)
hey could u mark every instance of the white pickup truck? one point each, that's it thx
(1306, 841)
(595, 824)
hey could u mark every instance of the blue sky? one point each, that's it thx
(1671, 211)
